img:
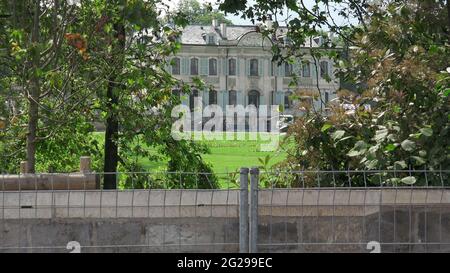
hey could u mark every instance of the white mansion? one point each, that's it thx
(236, 62)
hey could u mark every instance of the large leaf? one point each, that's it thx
(371, 164)
(410, 180)
(353, 153)
(381, 135)
(419, 160)
(390, 147)
(360, 145)
(408, 145)
(401, 163)
(426, 132)
(393, 181)
(325, 127)
(338, 134)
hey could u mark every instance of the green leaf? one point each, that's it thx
(338, 134)
(325, 127)
(345, 138)
(394, 180)
(410, 180)
(390, 147)
(372, 164)
(447, 92)
(266, 160)
(381, 135)
(408, 145)
(401, 163)
(360, 145)
(353, 153)
(419, 160)
(426, 132)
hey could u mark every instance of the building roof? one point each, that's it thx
(196, 34)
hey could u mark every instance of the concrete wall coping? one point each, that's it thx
(209, 203)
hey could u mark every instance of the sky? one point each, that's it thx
(237, 20)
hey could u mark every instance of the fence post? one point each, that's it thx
(254, 181)
(85, 164)
(23, 167)
(243, 212)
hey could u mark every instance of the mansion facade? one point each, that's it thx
(236, 64)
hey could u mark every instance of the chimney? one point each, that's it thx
(269, 24)
(223, 30)
(214, 23)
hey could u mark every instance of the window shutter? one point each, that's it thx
(220, 98)
(183, 66)
(330, 69)
(187, 67)
(203, 66)
(206, 97)
(238, 65)
(280, 70)
(225, 100)
(239, 98)
(247, 67)
(297, 67)
(260, 67)
(167, 66)
(313, 71)
(225, 66)
(262, 100)
(279, 98)
(219, 67)
(184, 99)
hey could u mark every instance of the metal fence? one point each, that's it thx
(247, 211)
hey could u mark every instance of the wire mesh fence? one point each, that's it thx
(353, 211)
(248, 211)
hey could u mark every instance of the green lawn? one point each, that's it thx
(226, 155)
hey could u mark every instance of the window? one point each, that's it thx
(192, 96)
(253, 98)
(323, 69)
(232, 98)
(287, 70)
(287, 41)
(176, 92)
(212, 67)
(253, 67)
(327, 97)
(176, 66)
(194, 66)
(212, 97)
(287, 100)
(306, 70)
(232, 67)
(211, 39)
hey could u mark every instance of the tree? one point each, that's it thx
(105, 61)
(40, 99)
(398, 58)
(127, 53)
(197, 14)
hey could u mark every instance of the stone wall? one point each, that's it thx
(295, 220)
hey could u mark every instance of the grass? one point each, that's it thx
(225, 155)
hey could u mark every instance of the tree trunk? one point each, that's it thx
(33, 94)
(448, 19)
(112, 122)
